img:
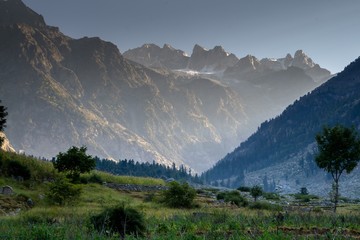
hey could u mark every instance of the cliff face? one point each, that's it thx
(61, 92)
(6, 145)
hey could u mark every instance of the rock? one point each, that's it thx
(7, 190)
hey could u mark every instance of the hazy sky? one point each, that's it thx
(327, 30)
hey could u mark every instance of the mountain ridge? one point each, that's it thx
(289, 140)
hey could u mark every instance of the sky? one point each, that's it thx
(327, 30)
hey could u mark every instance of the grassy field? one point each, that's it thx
(209, 220)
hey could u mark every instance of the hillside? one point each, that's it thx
(28, 210)
(282, 149)
(61, 91)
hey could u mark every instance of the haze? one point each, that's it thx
(325, 29)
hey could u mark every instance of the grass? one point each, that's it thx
(210, 220)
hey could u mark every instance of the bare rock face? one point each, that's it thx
(151, 55)
(61, 92)
(215, 59)
(6, 146)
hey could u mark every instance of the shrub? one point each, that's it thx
(265, 206)
(244, 189)
(62, 192)
(271, 196)
(179, 195)
(233, 197)
(16, 169)
(120, 219)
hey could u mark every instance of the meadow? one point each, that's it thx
(209, 219)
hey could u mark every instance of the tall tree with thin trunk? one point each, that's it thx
(338, 151)
(3, 114)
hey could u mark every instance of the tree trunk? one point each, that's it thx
(336, 197)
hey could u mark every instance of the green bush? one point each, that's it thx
(122, 220)
(244, 189)
(271, 196)
(62, 192)
(233, 197)
(265, 206)
(179, 195)
(14, 168)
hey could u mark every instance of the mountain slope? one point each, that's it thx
(282, 149)
(61, 91)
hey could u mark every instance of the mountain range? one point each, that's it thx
(148, 104)
(280, 155)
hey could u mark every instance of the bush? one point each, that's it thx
(62, 192)
(244, 189)
(265, 206)
(179, 195)
(14, 168)
(122, 220)
(271, 196)
(233, 197)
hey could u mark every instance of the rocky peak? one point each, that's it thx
(151, 55)
(248, 63)
(301, 60)
(16, 12)
(216, 59)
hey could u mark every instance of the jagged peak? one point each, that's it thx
(168, 46)
(149, 45)
(16, 12)
(197, 48)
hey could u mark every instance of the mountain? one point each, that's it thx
(201, 59)
(266, 86)
(212, 60)
(281, 153)
(61, 91)
(153, 56)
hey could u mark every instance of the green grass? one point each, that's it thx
(208, 221)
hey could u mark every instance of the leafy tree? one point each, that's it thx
(233, 197)
(256, 191)
(338, 151)
(179, 195)
(74, 162)
(3, 114)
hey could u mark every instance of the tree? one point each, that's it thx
(338, 151)
(74, 162)
(3, 114)
(256, 191)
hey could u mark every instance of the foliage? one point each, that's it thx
(338, 151)
(107, 177)
(304, 191)
(3, 115)
(265, 206)
(276, 140)
(74, 162)
(145, 169)
(120, 219)
(62, 192)
(271, 196)
(256, 191)
(244, 189)
(16, 169)
(233, 197)
(40, 170)
(179, 195)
